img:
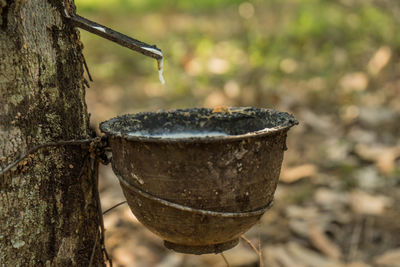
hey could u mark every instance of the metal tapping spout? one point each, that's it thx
(117, 37)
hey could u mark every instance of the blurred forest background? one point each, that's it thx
(333, 64)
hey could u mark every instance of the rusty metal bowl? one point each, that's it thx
(199, 179)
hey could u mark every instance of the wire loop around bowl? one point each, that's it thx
(190, 209)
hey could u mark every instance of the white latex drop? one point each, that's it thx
(160, 71)
(159, 61)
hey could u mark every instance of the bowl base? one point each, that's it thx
(198, 250)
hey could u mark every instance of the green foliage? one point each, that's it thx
(308, 45)
(139, 6)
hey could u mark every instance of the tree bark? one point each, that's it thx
(48, 205)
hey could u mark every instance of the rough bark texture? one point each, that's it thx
(48, 208)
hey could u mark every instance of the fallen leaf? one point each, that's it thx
(299, 227)
(270, 257)
(241, 256)
(290, 175)
(390, 258)
(238, 256)
(310, 258)
(321, 242)
(218, 65)
(364, 203)
(288, 65)
(308, 213)
(384, 157)
(123, 256)
(284, 257)
(357, 81)
(170, 260)
(368, 177)
(321, 123)
(330, 199)
(379, 60)
(376, 115)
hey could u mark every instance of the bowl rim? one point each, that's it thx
(289, 122)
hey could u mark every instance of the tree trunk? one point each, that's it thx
(48, 205)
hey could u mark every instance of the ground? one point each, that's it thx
(333, 64)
